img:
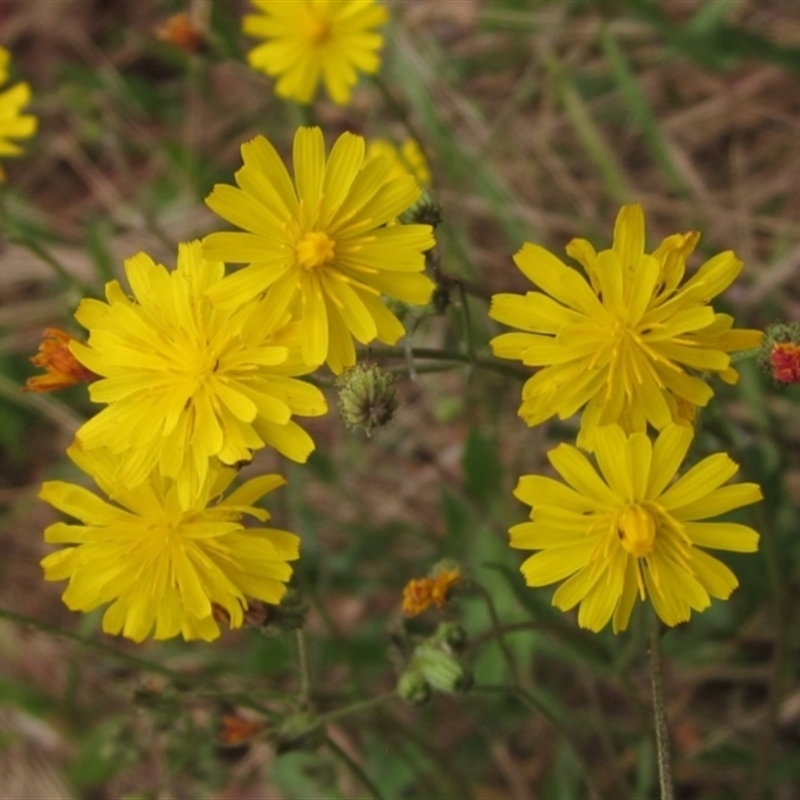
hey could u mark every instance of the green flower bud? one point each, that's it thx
(288, 616)
(367, 397)
(413, 688)
(427, 211)
(450, 634)
(441, 669)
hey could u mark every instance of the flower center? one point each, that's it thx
(315, 249)
(318, 31)
(637, 530)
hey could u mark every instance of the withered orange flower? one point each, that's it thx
(236, 730)
(784, 361)
(421, 593)
(181, 31)
(62, 369)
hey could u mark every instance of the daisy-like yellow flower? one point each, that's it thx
(408, 158)
(186, 382)
(13, 124)
(321, 248)
(623, 531)
(164, 565)
(621, 343)
(309, 41)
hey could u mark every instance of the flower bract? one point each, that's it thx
(626, 342)
(185, 382)
(308, 41)
(164, 565)
(320, 248)
(624, 530)
(13, 124)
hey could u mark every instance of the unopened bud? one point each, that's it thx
(427, 210)
(289, 615)
(413, 687)
(367, 397)
(779, 354)
(441, 669)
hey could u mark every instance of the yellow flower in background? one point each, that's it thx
(309, 41)
(186, 382)
(13, 124)
(162, 563)
(623, 531)
(622, 343)
(320, 247)
(408, 158)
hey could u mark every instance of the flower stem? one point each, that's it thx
(355, 768)
(497, 627)
(660, 714)
(199, 685)
(453, 355)
(355, 708)
(305, 674)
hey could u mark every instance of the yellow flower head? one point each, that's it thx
(624, 531)
(408, 158)
(320, 248)
(186, 382)
(313, 40)
(161, 563)
(13, 124)
(621, 343)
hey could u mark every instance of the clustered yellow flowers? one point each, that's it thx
(629, 342)
(198, 368)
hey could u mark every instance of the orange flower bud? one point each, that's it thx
(784, 361)
(420, 593)
(182, 32)
(62, 369)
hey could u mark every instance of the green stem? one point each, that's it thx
(355, 768)
(453, 355)
(497, 627)
(305, 674)
(355, 708)
(53, 630)
(778, 665)
(141, 663)
(660, 714)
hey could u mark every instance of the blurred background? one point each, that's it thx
(539, 120)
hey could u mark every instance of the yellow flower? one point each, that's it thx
(186, 382)
(13, 124)
(620, 343)
(408, 158)
(313, 40)
(161, 563)
(321, 248)
(625, 532)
